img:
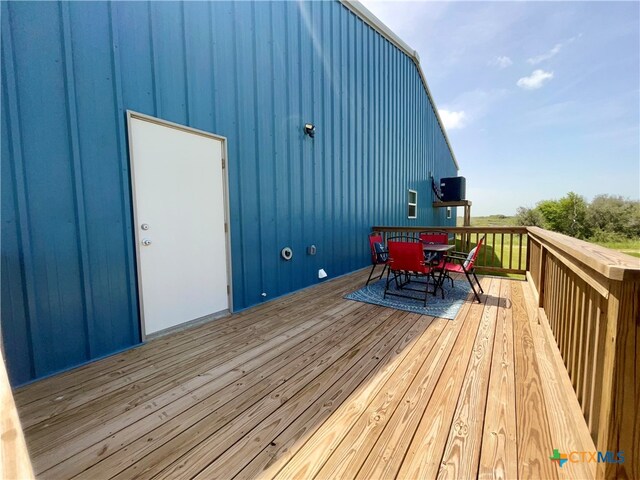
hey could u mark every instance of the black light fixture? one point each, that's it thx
(310, 129)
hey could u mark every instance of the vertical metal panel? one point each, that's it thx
(253, 72)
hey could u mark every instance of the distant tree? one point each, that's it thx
(530, 217)
(567, 215)
(614, 215)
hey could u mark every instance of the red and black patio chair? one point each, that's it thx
(435, 238)
(458, 262)
(379, 254)
(406, 262)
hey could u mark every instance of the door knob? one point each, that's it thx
(146, 242)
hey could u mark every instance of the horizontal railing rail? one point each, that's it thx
(589, 297)
(504, 250)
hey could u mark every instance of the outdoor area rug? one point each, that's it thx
(436, 306)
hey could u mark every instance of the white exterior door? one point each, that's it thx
(179, 196)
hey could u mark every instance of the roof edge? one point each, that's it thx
(374, 22)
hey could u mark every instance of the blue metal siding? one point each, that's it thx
(253, 72)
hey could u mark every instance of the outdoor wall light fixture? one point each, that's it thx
(310, 129)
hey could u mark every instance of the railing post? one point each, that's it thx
(541, 272)
(528, 256)
(619, 413)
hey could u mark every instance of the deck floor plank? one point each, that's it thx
(126, 428)
(170, 345)
(462, 451)
(316, 386)
(423, 457)
(193, 356)
(187, 448)
(534, 437)
(385, 458)
(499, 455)
(144, 437)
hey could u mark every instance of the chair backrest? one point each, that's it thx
(473, 255)
(376, 246)
(438, 238)
(405, 253)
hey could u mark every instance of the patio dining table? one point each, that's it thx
(430, 252)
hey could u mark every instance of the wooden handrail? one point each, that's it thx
(14, 458)
(522, 230)
(613, 265)
(589, 298)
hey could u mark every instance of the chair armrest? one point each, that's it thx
(453, 256)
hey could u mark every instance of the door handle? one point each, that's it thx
(146, 242)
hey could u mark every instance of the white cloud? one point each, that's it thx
(501, 62)
(536, 80)
(452, 120)
(545, 56)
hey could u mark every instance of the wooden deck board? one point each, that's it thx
(316, 386)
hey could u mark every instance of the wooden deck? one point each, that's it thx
(315, 386)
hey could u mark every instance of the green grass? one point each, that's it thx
(490, 221)
(630, 247)
(496, 253)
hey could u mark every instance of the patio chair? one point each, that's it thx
(436, 259)
(459, 262)
(437, 238)
(406, 261)
(379, 254)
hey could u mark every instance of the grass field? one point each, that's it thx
(630, 247)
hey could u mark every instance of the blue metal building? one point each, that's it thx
(254, 73)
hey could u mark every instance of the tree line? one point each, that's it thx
(607, 218)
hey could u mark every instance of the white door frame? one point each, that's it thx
(225, 188)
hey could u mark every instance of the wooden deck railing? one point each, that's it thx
(504, 251)
(589, 301)
(589, 297)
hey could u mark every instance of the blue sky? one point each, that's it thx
(539, 98)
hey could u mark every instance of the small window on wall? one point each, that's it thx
(413, 204)
(448, 212)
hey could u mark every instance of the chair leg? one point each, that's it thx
(473, 287)
(385, 266)
(474, 276)
(426, 292)
(440, 284)
(371, 273)
(386, 286)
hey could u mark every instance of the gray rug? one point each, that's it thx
(448, 307)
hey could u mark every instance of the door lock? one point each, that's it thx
(144, 226)
(146, 242)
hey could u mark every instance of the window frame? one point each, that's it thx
(411, 204)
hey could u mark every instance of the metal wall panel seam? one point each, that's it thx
(275, 147)
(127, 207)
(21, 191)
(212, 42)
(289, 147)
(239, 231)
(76, 165)
(256, 139)
(185, 70)
(157, 97)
